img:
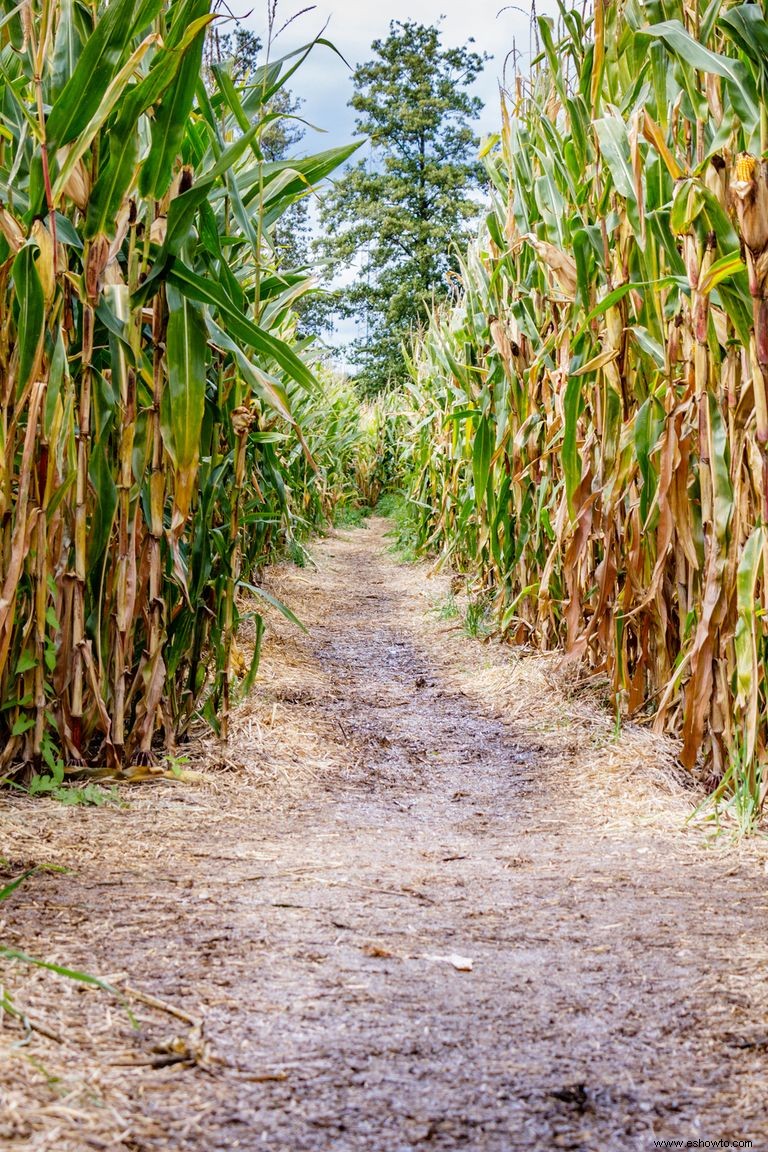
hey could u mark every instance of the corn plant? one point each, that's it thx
(589, 420)
(333, 443)
(148, 372)
(382, 446)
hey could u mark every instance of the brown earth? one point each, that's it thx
(397, 800)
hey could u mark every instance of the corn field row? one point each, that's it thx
(160, 429)
(590, 425)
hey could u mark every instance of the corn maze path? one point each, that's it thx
(397, 801)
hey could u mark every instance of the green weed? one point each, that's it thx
(447, 608)
(736, 805)
(297, 553)
(350, 516)
(477, 622)
(403, 533)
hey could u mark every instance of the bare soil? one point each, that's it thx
(289, 929)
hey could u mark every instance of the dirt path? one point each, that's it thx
(396, 795)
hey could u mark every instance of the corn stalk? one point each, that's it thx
(148, 373)
(590, 420)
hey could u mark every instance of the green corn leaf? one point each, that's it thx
(745, 637)
(66, 233)
(59, 969)
(224, 80)
(31, 317)
(206, 291)
(262, 384)
(723, 490)
(164, 68)
(482, 451)
(570, 451)
(112, 95)
(56, 375)
(170, 120)
(698, 56)
(614, 146)
(184, 398)
(266, 81)
(24, 115)
(250, 677)
(645, 432)
(67, 47)
(183, 208)
(13, 22)
(112, 185)
(105, 503)
(101, 59)
(648, 344)
(686, 207)
(304, 174)
(273, 600)
(747, 27)
(725, 268)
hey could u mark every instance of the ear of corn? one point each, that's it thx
(151, 385)
(590, 418)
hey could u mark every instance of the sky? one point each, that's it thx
(324, 81)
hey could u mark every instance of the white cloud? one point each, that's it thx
(324, 81)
